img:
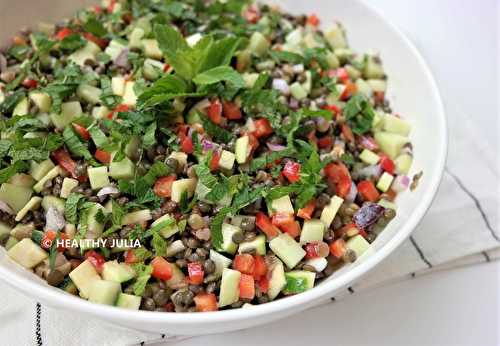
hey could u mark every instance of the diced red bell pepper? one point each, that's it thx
(244, 263)
(30, 83)
(111, 6)
(338, 248)
(368, 142)
(163, 186)
(96, 259)
(118, 109)
(187, 145)
(196, 273)
(339, 175)
(325, 142)
(63, 33)
(306, 212)
(65, 161)
(130, 257)
(102, 43)
(292, 228)
(280, 219)
(367, 190)
(260, 267)
(205, 302)
(262, 128)
(313, 20)
(214, 111)
(342, 75)
(82, 131)
(347, 132)
(379, 96)
(214, 162)
(49, 237)
(247, 286)
(264, 224)
(292, 171)
(349, 90)
(333, 108)
(231, 110)
(253, 142)
(263, 284)
(363, 233)
(161, 268)
(102, 156)
(166, 67)
(387, 164)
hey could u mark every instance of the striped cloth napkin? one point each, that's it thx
(459, 229)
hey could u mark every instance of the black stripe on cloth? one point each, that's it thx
(413, 275)
(350, 289)
(420, 253)
(333, 299)
(38, 330)
(476, 202)
(485, 254)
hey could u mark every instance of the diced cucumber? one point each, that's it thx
(128, 301)
(243, 59)
(369, 157)
(228, 231)
(27, 253)
(378, 121)
(54, 202)
(21, 179)
(221, 262)
(104, 292)
(83, 277)
(114, 49)
(403, 163)
(257, 245)
(298, 281)
(170, 228)
(152, 69)
(136, 217)
(287, 249)
(39, 169)
(33, 204)
(226, 160)
(229, 287)
(11, 242)
(89, 93)
(54, 172)
(15, 196)
(100, 112)
(364, 88)
(258, 44)
(180, 157)
(277, 281)
(22, 107)
(310, 41)
(135, 38)
(373, 68)
(177, 276)
(318, 263)
(332, 60)
(117, 272)
(281, 205)
(132, 148)
(384, 182)
(94, 227)
(377, 85)
(123, 169)
(387, 204)
(98, 177)
(152, 49)
(390, 143)
(67, 186)
(353, 72)
(294, 37)
(118, 85)
(181, 186)
(41, 100)
(307, 85)
(298, 91)
(242, 149)
(312, 230)
(358, 244)
(344, 54)
(86, 53)
(329, 212)
(336, 37)
(250, 79)
(69, 112)
(396, 125)
(175, 247)
(129, 96)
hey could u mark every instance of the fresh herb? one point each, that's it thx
(10, 171)
(219, 74)
(269, 159)
(159, 244)
(143, 275)
(95, 27)
(359, 113)
(98, 136)
(347, 158)
(71, 207)
(284, 56)
(72, 42)
(75, 145)
(216, 132)
(108, 97)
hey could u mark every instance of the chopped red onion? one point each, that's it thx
(400, 183)
(370, 171)
(351, 196)
(54, 219)
(6, 208)
(275, 147)
(121, 59)
(368, 143)
(281, 85)
(107, 190)
(208, 145)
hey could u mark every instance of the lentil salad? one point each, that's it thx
(250, 153)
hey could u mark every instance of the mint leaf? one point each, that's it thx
(284, 56)
(159, 244)
(359, 114)
(98, 136)
(7, 106)
(143, 275)
(149, 137)
(71, 207)
(75, 145)
(8, 172)
(219, 74)
(95, 27)
(220, 53)
(215, 131)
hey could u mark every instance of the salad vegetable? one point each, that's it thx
(193, 156)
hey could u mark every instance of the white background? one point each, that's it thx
(459, 39)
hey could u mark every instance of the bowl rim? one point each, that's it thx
(70, 302)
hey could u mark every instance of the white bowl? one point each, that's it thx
(413, 94)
